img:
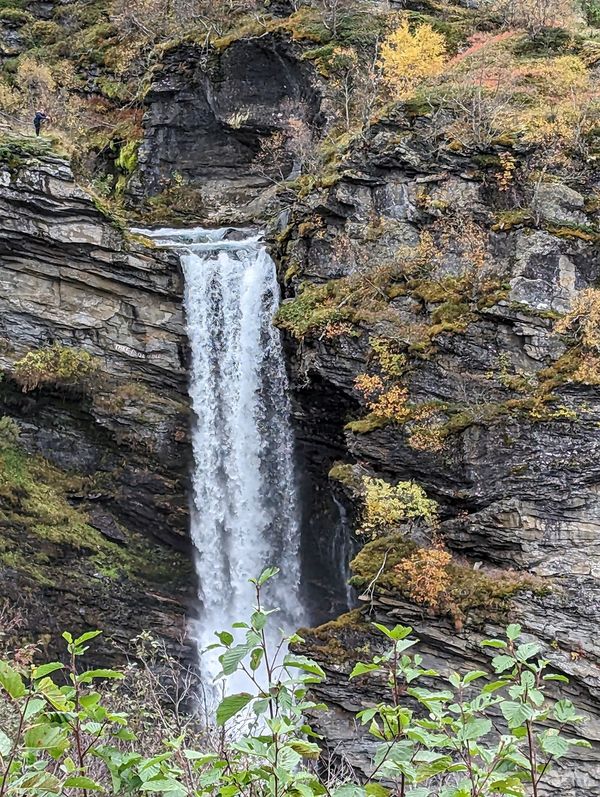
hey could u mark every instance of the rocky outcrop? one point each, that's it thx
(116, 445)
(207, 113)
(413, 255)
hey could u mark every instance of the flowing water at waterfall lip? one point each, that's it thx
(244, 509)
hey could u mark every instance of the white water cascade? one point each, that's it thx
(244, 514)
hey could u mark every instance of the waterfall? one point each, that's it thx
(244, 513)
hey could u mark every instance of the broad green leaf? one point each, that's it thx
(89, 700)
(554, 745)
(256, 658)
(396, 633)
(46, 737)
(287, 759)
(270, 572)
(11, 681)
(162, 785)
(493, 643)
(515, 713)
(513, 631)
(5, 744)
(34, 707)
(305, 749)
(556, 677)
(258, 620)
(225, 638)
(360, 669)
(232, 705)
(231, 658)
(260, 706)
(502, 663)
(90, 675)
(564, 711)
(527, 651)
(474, 729)
(86, 637)
(376, 790)
(473, 676)
(56, 698)
(493, 686)
(304, 663)
(41, 783)
(82, 782)
(46, 669)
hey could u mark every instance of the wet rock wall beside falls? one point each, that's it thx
(117, 448)
(502, 426)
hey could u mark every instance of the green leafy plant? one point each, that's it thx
(452, 734)
(448, 741)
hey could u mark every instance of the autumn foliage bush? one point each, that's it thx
(425, 573)
(408, 57)
(583, 319)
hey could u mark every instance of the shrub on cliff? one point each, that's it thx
(534, 15)
(385, 506)
(9, 432)
(408, 57)
(60, 736)
(56, 365)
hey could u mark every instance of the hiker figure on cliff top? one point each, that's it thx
(38, 120)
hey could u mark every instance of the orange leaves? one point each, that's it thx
(583, 320)
(425, 574)
(385, 402)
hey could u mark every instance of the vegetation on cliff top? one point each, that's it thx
(393, 564)
(497, 69)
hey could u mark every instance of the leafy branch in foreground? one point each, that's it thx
(477, 736)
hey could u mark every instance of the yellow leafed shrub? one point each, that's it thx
(407, 58)
(583, 320)
(387, 505)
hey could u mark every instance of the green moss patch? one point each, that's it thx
(46, 537)
(341, 641)
(17, 151)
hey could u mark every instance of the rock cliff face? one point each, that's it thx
(494, 416)
(427, 270)
(207, 113)
(99, 546)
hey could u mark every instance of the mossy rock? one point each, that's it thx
(475, 594)
(40, 526)
(17, 151)
(339, 642)
(370, 423)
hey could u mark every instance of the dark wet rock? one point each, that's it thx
(106, 525)
(208, 111)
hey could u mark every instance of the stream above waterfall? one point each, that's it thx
(245, 513)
